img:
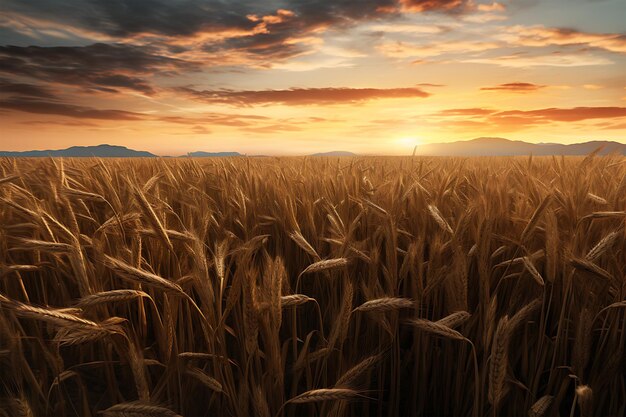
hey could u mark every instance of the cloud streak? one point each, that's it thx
(67, 110)
(565, 115)
(400, 49)
(554, 59)
(516, 87)
(301, 96)
(540, 36)
(520, 119)
(8, 87)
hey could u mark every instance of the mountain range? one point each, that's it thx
(101, 151)
(485, 146)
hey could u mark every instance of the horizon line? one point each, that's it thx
(312, 153)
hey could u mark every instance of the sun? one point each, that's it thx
(408, 141)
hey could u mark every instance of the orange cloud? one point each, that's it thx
(493, 119)
(428, 5)
(567, 115)
(418, 6)
(406, 50)
(466, 112)
(264, 22)
(539, 36)
(493, 7)
(515, 87)
(556, 59)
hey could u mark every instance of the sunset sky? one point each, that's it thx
(300, 76)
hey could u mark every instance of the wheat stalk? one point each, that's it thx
(137, 409)
(602, 246)
(55, 317)
(294, 300)
(69, 335)
(324, 394)
(584, 395)
(590, 267)
(112, 296)
(499, 363)
(53, 247)
(541, 406)
(277, 276)
(326, 265)
(596, 199)
(435, 328)
(205, 379)
(152, 217)
(534, 219)
(250, 317)
(309, 358)
(123, 270)
(530, 267)
(524, 313)
(297, 237)
(385, 304)
(436, 214)
(356, 371)
(8, 178)
(605, 215)
(454, 320)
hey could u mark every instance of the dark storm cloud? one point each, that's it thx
(63, 109)
(107, 57)
(99, 66)
(23, 100)
(300, 96)
(123, 18)
(258, 32)
(148, 38)
(172, 18)
(262, 31)
(8, 87)
(266, 48)
(271, 40)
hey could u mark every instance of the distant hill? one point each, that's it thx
(485, 146)
(101, 151)
(505, 147)
(334, 153)
(201, 154)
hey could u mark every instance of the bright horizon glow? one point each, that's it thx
(291, 78)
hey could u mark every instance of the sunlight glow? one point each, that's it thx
(409, 141)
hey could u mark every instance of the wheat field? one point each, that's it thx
(370, 286)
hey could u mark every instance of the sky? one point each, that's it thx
(288, 77)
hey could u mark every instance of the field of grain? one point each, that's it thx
(312, 286)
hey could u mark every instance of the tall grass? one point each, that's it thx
(312, 286)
